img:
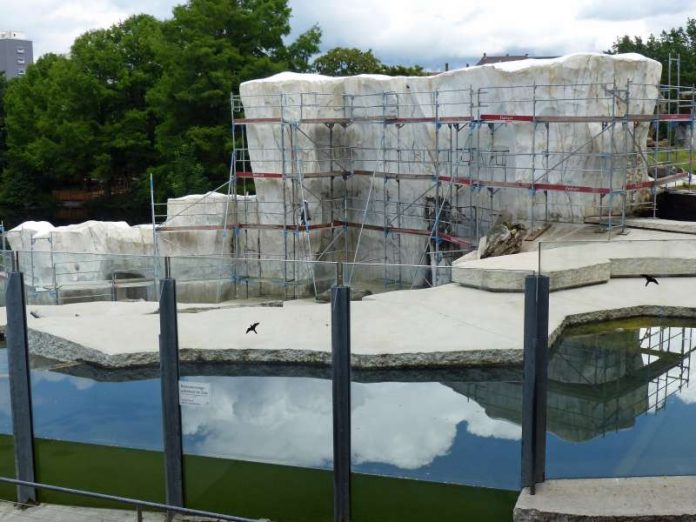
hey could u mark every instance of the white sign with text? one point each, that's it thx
(194, 393)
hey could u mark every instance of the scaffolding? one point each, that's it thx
(349, 187)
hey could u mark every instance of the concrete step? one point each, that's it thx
(643, 499)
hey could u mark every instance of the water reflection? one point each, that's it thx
(600, 382)
(288, 421)
(619, 404)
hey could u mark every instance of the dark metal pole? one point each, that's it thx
(340, 373)
(171, 411)
(20, 384)
(534, 386)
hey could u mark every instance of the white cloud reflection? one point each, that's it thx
(288, 421)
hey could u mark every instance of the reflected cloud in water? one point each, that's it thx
(288, 421)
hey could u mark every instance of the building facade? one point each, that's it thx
(16, 53)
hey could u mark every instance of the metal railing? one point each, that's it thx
(534, 407)
(21, 403)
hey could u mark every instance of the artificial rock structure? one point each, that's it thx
(407, 167)
(399, 171)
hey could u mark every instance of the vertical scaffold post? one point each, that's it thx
(534, 386)
(20, 383)
(169, 375)
(340, 368)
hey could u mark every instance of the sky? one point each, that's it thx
(425, 32)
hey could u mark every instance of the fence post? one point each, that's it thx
(340, 375)
(169, 376)
(534, 385)
(20, 383)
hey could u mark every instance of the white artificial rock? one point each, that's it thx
(203, 225)
(574, 85)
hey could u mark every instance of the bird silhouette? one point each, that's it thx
(252, 328)
(650, 279)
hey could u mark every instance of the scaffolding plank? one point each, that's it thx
(261, 175)
(467, 181)
(560, 118)
(248, 121)
(660, 181)
(506, 117)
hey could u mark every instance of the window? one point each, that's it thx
(20, 60)
(20, 50)
(20, 72)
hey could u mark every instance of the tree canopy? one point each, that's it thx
(347, 61)
(142, 96)
(3, 131)
(678, 41)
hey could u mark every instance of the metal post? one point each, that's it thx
(169, 374)
(20, 384)
(155, 248)
(534, 386)
(340, 350)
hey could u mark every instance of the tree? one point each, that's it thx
(44, 142)
(208, 49)
(679, 41)
(404, 70)
(84, 117)
(116, 68)
(300, 52)
(348, 61)
(3, 130)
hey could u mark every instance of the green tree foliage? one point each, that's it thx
(44, 142)
(404, 70)
(207, 50)
(145, 96)
(3, 130)
(299, 53)
(347, 61)
(679, 41)
(83, 117)
(116, 68)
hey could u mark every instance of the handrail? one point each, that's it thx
(127, 500)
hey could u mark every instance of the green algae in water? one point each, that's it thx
(7, 491)
(254, 490)
(632, 323)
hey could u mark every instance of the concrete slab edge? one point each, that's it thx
(57, 348)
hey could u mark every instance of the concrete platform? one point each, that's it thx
(54, 513)
(570, 265)
(440, 327)
(643, 499)
(665, 225)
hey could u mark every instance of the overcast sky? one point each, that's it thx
(426, 32)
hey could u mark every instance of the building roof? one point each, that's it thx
(485, 59)
(12, 35)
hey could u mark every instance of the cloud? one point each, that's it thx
(288, 421)
(412, 31)
(620, 10)
(53, 25)
(398, 31)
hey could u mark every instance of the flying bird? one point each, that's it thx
(650, 279)
(252, 328)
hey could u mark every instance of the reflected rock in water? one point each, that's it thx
(598, 382)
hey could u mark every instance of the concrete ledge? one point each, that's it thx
(632, 499)
(575, 265)
(56, 513)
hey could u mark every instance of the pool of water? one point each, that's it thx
(419, 430)
(620, 404)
